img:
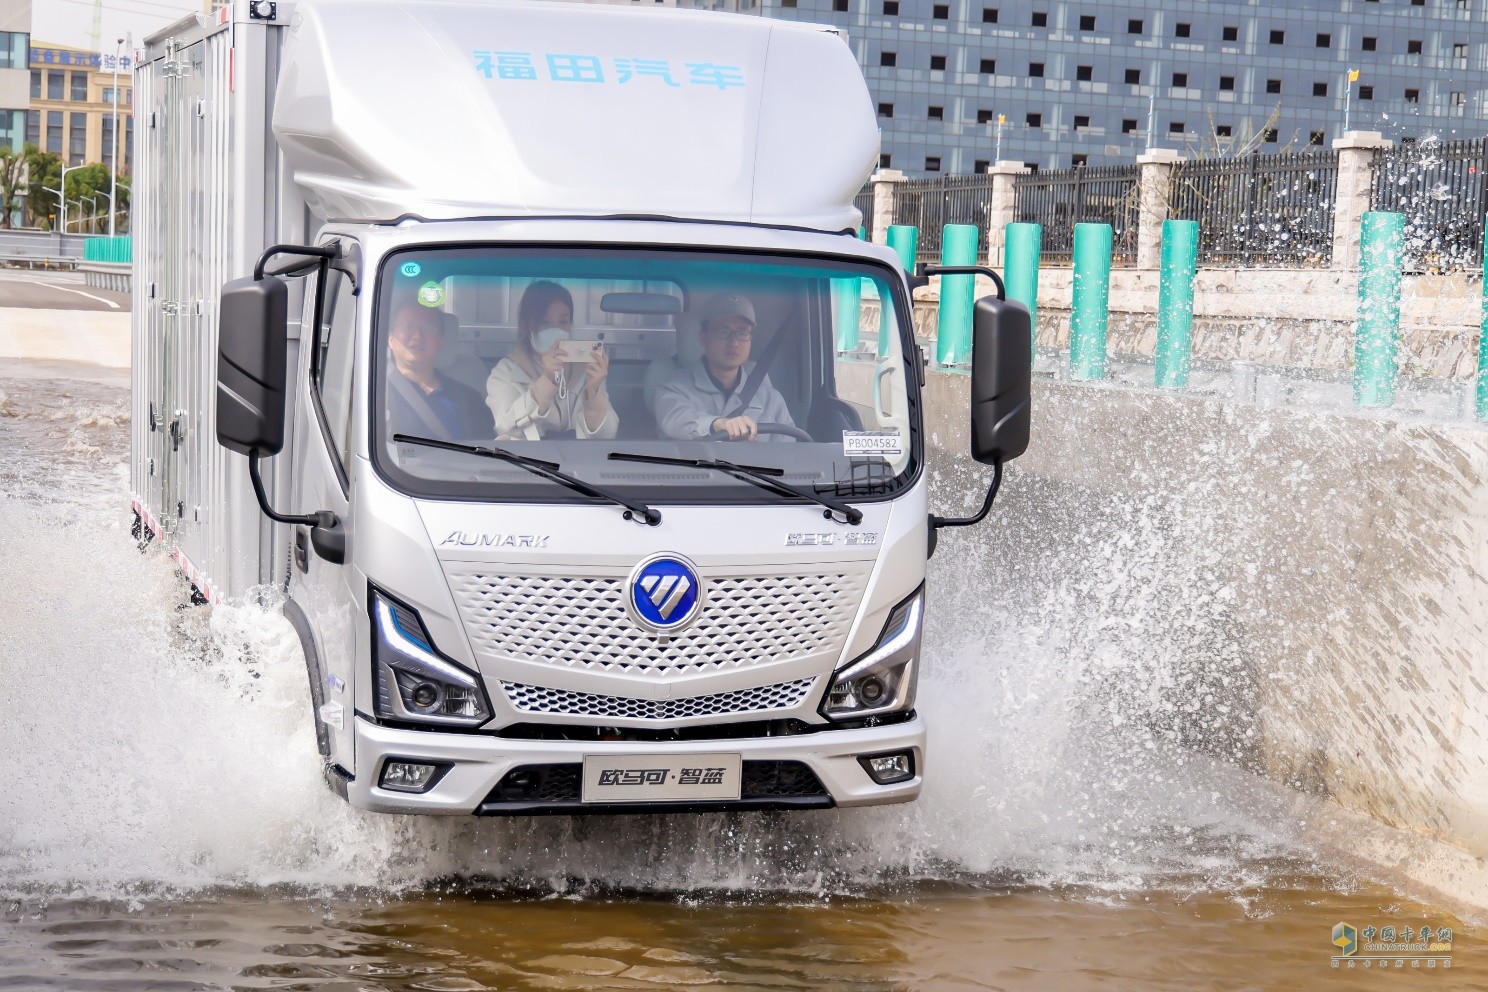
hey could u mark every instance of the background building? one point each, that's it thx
(15, 40)
(1082, 81)
(72, 105)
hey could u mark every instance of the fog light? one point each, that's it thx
(409, 776)
(871, 689)
(425, 695)
(886, 769)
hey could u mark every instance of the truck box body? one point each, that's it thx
(526, 583)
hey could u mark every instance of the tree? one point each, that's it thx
(43, 169)
(12, 181)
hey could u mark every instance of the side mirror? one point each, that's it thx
(252, 345)
(1001, 380)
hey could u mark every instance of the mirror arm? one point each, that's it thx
(307, 251)
(937, 522)
(924, 272)
(303, 519)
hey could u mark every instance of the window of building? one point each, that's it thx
(886, 110)
(77, 138)
(79, 92)
(1230, 33)
(1223, 130)
(981, 165)
(35, 86)
(1077, 161)
(1084, 73)
(1134, 77)
(989, 15)
(1183, 29)
(1319, 89)
(884, 161)
(1134, 26)
(15, 49)
(108, 141)
(937, 62)
(1315, 138)
(1082, 122)
(1270, 135)
(985, 117)
(1413, 46)
(33, 128)
(1325, 41)
(989, 67)
(932, 163)
(1459, 100)
(888, 58)
(54, 132)
(1128, 125)
(1412, 96)
(1040, 19)
(1418, 3)
(1175, 127)
(1087, 22)
(1227, 82)
(891, 8)
(839, 5)
(1366, 92)
(941, 12)
(55, 82)
(1368, 43)
(1273, 86)
(788, 3)
(937, 114)
(1036, 69)
(1180, 80)
(1032, 167)
(1034, 120)
(1278, 37)
(1459, 51)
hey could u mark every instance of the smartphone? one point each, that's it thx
(577, 352)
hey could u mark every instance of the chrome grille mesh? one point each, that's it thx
(536, 699)
(582, 622)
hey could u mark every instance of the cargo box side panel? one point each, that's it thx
(147, 344)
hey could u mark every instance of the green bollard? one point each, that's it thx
(1175, 304)
(905, 240)
(958, 246)
(1092, 297)
(1020, 267)
(1483, 343)
(1377, 330)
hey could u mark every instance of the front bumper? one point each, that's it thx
(478, 764)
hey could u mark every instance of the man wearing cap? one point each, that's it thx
(704, 399)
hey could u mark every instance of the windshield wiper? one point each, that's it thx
(757, 475)
(639, 512)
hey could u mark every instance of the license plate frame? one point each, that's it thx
(661, 778)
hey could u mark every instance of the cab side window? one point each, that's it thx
(336, 346)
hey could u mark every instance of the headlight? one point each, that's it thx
(883, 680)
(414, 683)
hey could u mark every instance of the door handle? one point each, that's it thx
(878, 377)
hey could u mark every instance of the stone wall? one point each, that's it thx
(1299, 593)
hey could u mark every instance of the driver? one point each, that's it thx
(703, 398)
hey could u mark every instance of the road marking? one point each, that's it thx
(69, 289)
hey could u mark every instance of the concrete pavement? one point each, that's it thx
(55, 316)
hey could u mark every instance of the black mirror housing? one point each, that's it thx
(252, 349)
(1001, 380)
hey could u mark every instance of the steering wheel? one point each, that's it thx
(769, 428)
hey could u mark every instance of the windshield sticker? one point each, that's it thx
(872, 443)
(411, 269)
(431, 294)
(566, 67)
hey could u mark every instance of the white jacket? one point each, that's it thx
(509, 395)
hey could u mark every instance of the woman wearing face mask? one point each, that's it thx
(532, 392)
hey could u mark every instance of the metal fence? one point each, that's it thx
(1439, 187)
(931, 204)
(1260, 210)
(864, 202)
(1060, 200)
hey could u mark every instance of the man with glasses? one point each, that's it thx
(704, 398)
(422, 400)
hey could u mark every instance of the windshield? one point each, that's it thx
(572, 355)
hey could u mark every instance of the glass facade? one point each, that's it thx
(14, 49)
(1096, 82)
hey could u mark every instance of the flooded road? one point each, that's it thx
(163, 824)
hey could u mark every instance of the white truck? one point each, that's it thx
(502, 338)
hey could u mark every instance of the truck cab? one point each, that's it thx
(592, 486)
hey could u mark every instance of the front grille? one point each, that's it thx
(560, 785)
(582, 622)
(761, 699)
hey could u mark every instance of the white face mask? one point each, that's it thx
(547, 337)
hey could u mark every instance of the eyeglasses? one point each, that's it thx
(737, 334)
(414, 330)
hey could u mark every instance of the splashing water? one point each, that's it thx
(156, 748)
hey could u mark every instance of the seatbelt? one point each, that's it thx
(421, 408)
(757, 376)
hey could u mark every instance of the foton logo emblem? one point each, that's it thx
(471, 539)
(665, 593)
